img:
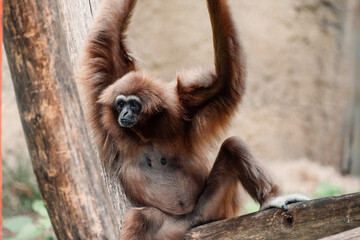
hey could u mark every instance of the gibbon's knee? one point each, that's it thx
(230, 157)
(235, 147)
(243, 164)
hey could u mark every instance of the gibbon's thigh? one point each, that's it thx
(219, 199)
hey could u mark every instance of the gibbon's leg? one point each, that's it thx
(233, 163)
(148, 223)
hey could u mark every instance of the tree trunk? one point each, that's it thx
(42, 40)
(77, 18)
(308, 220)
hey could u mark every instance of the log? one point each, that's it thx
(352, 234)
(308, 220)
(63, 158)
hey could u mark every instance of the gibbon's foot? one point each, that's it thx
(283, 201)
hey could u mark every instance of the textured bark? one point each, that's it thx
(352, 234)
(77, 18)
(42, 41)
(308, 220)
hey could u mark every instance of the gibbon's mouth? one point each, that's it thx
(126, 122)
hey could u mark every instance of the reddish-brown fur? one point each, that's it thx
(177, 124)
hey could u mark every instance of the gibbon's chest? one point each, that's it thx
(169, 181)
(152, 161)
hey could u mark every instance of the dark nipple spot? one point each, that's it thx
(148, 161)
(163, 161)
(181, 203)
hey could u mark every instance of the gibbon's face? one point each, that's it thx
(129, 108)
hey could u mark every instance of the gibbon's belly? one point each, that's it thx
(169, 182)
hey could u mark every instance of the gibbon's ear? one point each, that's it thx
(140, 85)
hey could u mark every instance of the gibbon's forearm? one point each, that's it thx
(229, 64)
(108, 55)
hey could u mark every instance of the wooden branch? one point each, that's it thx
(64, 161)
(77, 18)
(352, 234)
(308, 220)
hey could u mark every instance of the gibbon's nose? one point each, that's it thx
(125, 113)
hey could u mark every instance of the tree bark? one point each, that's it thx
(42, 40)
(308, 220)
(352, 234)
(76, 19)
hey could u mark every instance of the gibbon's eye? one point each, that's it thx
(134, 105)
(120, 104)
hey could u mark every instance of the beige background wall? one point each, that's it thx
(296, 89)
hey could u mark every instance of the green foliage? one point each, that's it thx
(23, 212)
(19, 189)
(39, 207)
(15, 224)
(251, 206)
(326, 189)
(26, 227)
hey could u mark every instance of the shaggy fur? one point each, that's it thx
(161, 160)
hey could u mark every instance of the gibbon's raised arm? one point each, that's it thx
(106, 59)
(211, 98)
(229, 64)
(107, 53)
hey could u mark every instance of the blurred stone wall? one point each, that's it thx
(297, 87)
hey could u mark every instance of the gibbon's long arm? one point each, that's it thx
(107, 56)
(229, 64)
(106, 59)
(212, 98)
